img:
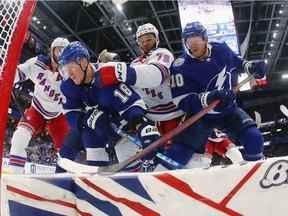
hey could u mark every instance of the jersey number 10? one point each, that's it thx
(177, 80)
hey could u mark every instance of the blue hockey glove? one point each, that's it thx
(96, 120)
(148, 165)
(147, 133)
(227, 99)
(257, 68)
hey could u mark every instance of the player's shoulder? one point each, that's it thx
(160, 50)
(137, 60)
(30, 61)
(219, 46)
(220, 50)
(180, 61)
(69, 89)
(44, 59)
(43, 62)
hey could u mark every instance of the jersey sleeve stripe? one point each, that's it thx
(22, 76)
(163, 107)
(42, 65)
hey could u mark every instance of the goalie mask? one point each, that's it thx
(58, 43)
(147, 28)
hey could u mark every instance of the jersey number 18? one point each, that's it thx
(123, 93)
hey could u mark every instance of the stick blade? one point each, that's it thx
(113, 168)
(77, 168)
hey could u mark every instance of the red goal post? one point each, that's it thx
(15, 16)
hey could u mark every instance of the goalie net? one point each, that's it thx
(15, 17)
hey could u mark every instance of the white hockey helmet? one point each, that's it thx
(59, 42)
(147, 28)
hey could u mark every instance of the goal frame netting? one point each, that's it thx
(11, 59)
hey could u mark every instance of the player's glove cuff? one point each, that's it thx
(257, 68)
(203, 99)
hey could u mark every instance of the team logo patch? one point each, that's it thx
(178, 62)
(276, 174)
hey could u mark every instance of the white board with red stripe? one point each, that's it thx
(258, 188)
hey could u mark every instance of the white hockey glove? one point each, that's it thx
(106, 56)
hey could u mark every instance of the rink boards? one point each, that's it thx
(30, 168)
(258, 188)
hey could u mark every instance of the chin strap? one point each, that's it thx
(85, 74)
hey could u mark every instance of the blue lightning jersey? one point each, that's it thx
(117, 99)
(219, 70)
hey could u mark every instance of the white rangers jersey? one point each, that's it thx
(159, 98)
(47, 97)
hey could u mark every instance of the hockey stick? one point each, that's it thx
(77, 168)
(284, 110)
(111, 169)
(72, 166)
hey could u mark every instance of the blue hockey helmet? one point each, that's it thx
(73, 52)
(194, 29)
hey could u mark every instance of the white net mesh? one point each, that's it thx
(9, 15)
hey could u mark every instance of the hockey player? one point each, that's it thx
(218, 143)
(118, 100)
(207, 72)
(72, 144)
(46, 107)
(147, 71)
(149, 75)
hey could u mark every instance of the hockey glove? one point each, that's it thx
(148, 165)
(96, 120)
(227, 99)
(106, 56)
(257, 68)
(111, 73)
(147, 133)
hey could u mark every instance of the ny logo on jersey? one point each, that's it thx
(222, 80)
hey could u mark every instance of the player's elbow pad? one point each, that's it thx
(149, 75)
